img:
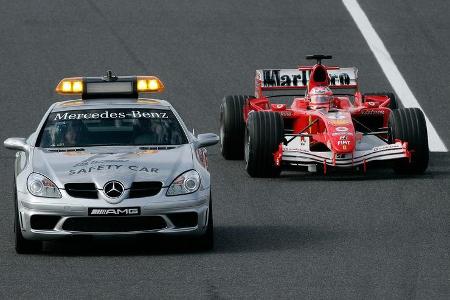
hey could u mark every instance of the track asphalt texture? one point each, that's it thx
(339, 236)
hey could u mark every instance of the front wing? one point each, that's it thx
(305, 157)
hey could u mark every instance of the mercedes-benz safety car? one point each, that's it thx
(329, 125)
(111, 163)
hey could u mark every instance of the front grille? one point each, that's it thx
(137, 190)
(185, 219)
(82, 190)
(145, 189)
(43, 222)
(114, 224)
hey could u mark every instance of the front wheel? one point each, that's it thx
(263, 135)
(409, 125)
(232, 127)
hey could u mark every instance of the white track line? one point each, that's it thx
(391, 71)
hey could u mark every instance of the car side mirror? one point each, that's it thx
(16, 143)
(207, 139)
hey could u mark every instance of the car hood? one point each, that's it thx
(102, 164)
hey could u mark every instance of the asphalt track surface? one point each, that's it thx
(339, 236)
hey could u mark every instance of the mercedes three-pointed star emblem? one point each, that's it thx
(113, 189)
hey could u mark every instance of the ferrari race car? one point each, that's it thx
(331, 125)
(111, 164)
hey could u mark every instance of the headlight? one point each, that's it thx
(186, 183)
(41, 186)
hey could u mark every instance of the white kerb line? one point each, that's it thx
(390, 70)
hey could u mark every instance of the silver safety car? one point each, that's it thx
(111, 163)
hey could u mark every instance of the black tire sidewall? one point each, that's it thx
(264, 133)
(409, 125)
(232, 126)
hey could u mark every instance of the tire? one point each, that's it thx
(392, 105)
(408, 124)
(22, 245)
(263, 135)
(232, 127)
(206, 241)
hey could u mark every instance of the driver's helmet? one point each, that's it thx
(320, 97)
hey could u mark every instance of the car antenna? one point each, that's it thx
(110, 76)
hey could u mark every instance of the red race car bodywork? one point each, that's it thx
(353, 130)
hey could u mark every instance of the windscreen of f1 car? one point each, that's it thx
(111, 127)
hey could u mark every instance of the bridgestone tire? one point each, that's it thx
(408, 124)
(264, 133)
(22, 245)
(392, 104)
(232, 127)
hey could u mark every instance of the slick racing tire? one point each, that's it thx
(232, 127)
(392, 104)
(408, 125)
(206, 241)
(263, 135)
(22, 245)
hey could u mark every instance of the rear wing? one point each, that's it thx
(297, 79)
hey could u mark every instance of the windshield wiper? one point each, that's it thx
(65, 149)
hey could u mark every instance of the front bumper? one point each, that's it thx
(68, 211)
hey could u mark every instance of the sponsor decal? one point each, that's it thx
(134, 114)
(342, 79)
(284, 78)
(297, 144)
(299, 78)
(286, 113)
(386, 147)
(341, 129)
(338, 122)
(343, 143)
(121, 211)
(343, 137)
(97, 162)
(338, 119)
(337, 116)
(372, 112)
(341, 133)
(112, 167)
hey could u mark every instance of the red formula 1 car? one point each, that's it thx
(331, 125)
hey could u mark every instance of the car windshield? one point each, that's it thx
(111, 127)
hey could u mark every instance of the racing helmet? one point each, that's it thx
(320, 97)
